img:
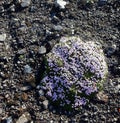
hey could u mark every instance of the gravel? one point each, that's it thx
(25, 26)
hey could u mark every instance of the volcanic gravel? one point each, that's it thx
(28, 31)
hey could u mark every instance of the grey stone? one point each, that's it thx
(1, 110)
(22, 28)
(1, 9)
(95, 109)
(12, 8)
(60, 3)
(66, 121)
(25, 88)
(45, 104)
(103, 117)
(73, 120)
(85, 114)
(9, 120)
(27, 69)
(57, 28)
(111, 49)
(48, 32)
(116, 70)
(115, 119)
(51, 121)
(24, 3)
(33, 9)
(22, 51)
(86, 119)
(24, 118)
(102, 97)
(42, 50)
(117, 88)
(102, 2)
(41, 93)
(3, 37)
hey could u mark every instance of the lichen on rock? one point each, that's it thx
(75, 70)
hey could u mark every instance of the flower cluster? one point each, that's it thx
(74, 71)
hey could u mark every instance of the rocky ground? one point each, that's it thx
(28, 30)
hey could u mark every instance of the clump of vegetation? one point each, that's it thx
(75, 71)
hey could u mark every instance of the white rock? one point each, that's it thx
(24, 118)
(61, 3)
(102, 97)
(3, 37)
(45, 104)
(9, 120)
(42, 50)
(117, 88)
(27, 69)
(1, 110)
(25, 3)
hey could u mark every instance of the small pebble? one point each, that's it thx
(111, 49)
(22, 51)
(3, 37)
(118, 86)
(61, 4)
(45, 104)
(85, 114)
(25, 88)
(27, 69)
(57, 28)
(102, 2)
(24, 3)
(66, 121)
(9, 120)
(30, 79)
(32, 9)
(1, 110)
(115, 119)
(12, 8)
(51, 121)
(41, 93)
(24, 97)
(24, 118)
(42, 50)
(102, 97)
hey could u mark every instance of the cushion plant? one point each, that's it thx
(75, 70)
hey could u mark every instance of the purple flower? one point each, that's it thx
(61, 96)
(49, 93)
(54, 97)
(79, 102)
(83, 67)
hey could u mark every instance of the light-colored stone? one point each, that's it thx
(3, 37)
(24, 3)
(1, 110)
(61, 3)
(9, 120)
(102, 97)
(27, 69)
(24, 118)
(42, 50)
(45, 104)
